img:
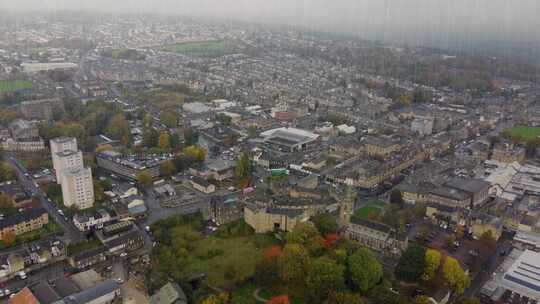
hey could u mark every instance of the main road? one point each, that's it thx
(71, 233)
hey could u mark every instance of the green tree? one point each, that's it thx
(324, 275)
(455, 276)
(325, 223)
(118, 128)
(422, 300)
(166, 168)
(6, 172)
(308, 236)
(243, 167)
(150, 137)
(175, 141)
(164, 141)
(337, 297)
(169, 119)
(468, 301)
(223, 118)
(396, 197)
(293, 264)
(5, 201)
(191, 137)
(195, 153)
(432, 264)
(252, 131)
(411, 264)
(144, 179)
(383, 294)
(364, 269)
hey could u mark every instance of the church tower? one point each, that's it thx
(346, 206)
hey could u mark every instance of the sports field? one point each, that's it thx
(7, 86)
(201, 48)
(524, 132)
(370, 207)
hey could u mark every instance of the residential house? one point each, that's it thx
(90, 221)
(22, 222)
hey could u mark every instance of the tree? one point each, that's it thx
(191, 137)
(5, 201)
(468, 301)
(222, 298)
(272, 254)
(449, 241)
(169, 119)
(223, 118)
(454, 275)
(8, 238)
(175, 141)
(396, 197)
(411, 264)
(6, 172)
(150, 137)
(166, 168)
(164, 141)
(364, 269)
(337, 297)
(432, 264)
(323, 276)
(325, 223)
(195, 153)
(282, 299)
(118, 128)
(144, 179)
(252, 131)
(422, 300)
(308, 236)
(487, 242)
(293, 264)
(383, 294)
(243, 167)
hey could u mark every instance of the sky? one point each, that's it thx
(395, 20)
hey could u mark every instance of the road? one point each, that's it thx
(71, 233)
(45, 274)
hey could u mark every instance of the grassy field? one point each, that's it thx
(524, 132)
(370, 207)
(7, 86)
(227, 251)
(201, 48)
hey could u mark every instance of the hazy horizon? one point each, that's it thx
(405, 21)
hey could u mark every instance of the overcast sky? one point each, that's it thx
(405, 20)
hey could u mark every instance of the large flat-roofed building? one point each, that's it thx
(128, 167)
(66, 160)
(78, 188)
(523, 277)
(47, 66)
(289, 139)
(60, 144)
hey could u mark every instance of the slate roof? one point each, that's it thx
(21, 217)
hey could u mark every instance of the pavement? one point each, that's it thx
(71, 233)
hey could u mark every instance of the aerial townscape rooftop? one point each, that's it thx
(272, 152)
